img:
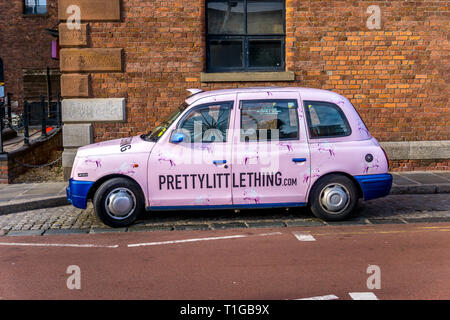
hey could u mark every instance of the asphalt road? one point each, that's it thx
(287, 263)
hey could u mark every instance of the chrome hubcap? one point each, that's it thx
(120, 203)
(334, 198)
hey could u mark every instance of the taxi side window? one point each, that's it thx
(269, 120)
(207, 123)
(326, 120)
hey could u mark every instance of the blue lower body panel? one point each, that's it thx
(77, 192)
(375, 185)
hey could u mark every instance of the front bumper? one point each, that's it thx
(375, 185)
(77, 192)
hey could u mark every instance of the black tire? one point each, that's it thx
(325, 207)
(126, 189)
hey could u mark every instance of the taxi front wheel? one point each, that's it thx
(334, 198)
(118, 202)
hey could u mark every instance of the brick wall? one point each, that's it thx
(24, 43)
(397, 76)
(419, 165)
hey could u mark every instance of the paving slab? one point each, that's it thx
(400, 180)
(29, 196)
(7, 196)
(425, 177)
(27, 204)
(43, 190)
(443, 174)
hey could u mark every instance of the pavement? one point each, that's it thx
(29, 196)
(23, 197)
(421, 182)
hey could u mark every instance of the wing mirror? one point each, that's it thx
(177, 137)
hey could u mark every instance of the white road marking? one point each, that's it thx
(353, 295)
(269, 234)
(55, 245)
(184, 241)
(303, 236)
(327, 297)
(363, 296)
(158, 243)
(72, 245)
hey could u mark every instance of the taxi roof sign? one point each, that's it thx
(194, 91)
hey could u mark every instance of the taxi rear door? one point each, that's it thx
(271, 158)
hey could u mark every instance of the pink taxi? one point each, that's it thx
(240, 148)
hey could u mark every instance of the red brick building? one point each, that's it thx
(391, 61)
(26, 46)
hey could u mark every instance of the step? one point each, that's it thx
(8, 134)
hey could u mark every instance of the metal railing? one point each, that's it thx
(49, 113)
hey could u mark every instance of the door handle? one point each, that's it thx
(299, 160)
(216, 162)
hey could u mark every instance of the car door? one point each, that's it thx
(271, 159)
(196, 171)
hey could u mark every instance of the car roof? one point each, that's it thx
(305, 93)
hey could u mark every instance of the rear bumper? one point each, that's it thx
(77, 192)
(375, 185)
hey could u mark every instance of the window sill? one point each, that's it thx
(247, 76)
(43, 15)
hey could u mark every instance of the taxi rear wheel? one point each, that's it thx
(118, 202)
(334, 198)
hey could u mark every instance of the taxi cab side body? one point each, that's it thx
(322, 154)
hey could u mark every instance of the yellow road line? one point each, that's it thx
(377, 232)
(440, 227)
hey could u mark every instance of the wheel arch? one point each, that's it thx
(103, 179)
(356, 183)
